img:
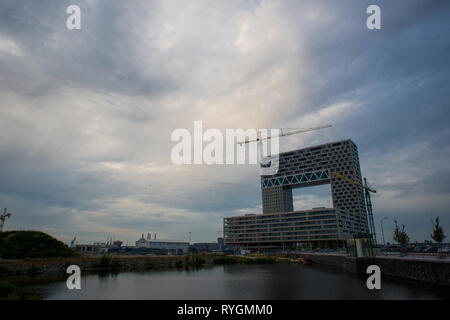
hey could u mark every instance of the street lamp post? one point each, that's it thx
(382, 231)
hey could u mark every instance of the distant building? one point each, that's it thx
(117, 244)
(170, 247)
(206, 246)
(89, 248)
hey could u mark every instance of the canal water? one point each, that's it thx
(252, 282)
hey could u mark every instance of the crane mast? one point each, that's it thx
(3, 217)
(369, 211)
(368, 200)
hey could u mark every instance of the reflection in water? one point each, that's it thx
(253, 282)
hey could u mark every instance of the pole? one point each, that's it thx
(382, 231)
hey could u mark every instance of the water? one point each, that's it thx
(251, 282)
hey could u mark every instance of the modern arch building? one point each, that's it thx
(279, 225)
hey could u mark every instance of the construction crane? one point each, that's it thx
(3, 217)
(266, 162)
(283, 134)
(72, 243)
(367, 196)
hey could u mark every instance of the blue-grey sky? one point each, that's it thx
(86, 115)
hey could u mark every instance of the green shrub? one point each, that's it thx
(149, 264)
(194, 260)
(179, 264)
(32, 244)
(3, 270)
(35, 269)
(6, 288)
(107, 262)
(226, 260)
(263, 260)
(199, 260)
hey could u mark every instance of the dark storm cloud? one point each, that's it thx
(101, 55)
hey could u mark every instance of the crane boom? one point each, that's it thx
(286, 134)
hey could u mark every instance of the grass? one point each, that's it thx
(9, 291)
(3, 270)
(150, 264)
(242, 260)
(194, 260)
(107, 262)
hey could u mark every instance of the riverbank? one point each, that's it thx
(11, 267)
(430, 271)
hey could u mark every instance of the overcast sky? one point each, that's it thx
(86, 115)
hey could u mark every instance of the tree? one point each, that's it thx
(400, 236)
(32, 244)
(438, 233)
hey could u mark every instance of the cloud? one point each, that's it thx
(8, 46)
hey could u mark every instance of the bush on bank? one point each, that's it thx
(32, 244)
(107, 262)
(9, 291)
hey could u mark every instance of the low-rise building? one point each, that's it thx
(90, 248)
(319, 227)
(206, 246)
(169, 246)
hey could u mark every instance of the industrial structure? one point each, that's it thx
(144, 246)
(209, 246)
(168, 246)
(279, 226)
(95, 248)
